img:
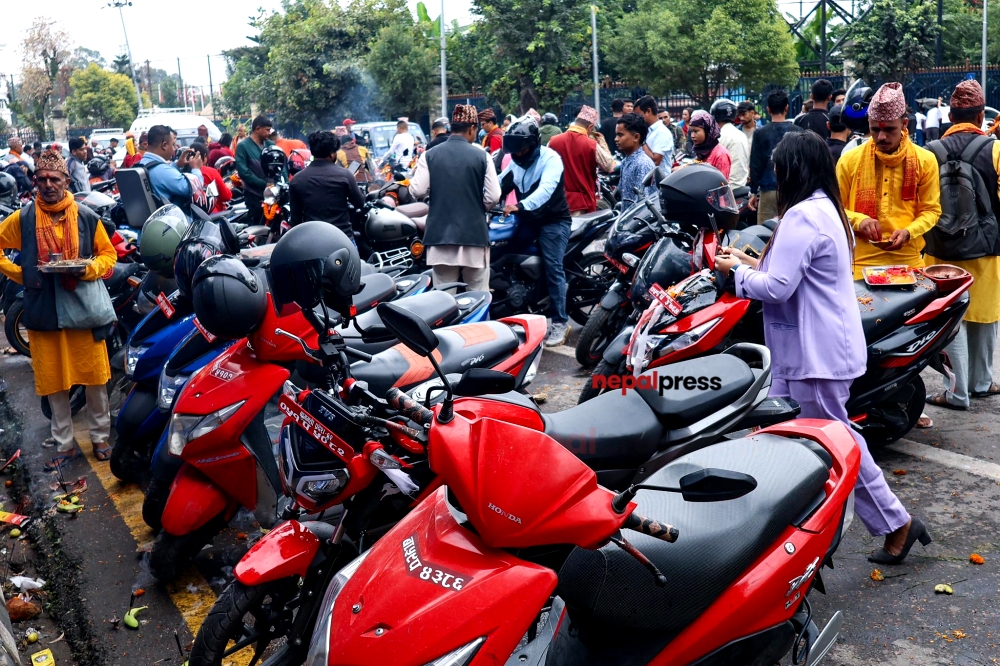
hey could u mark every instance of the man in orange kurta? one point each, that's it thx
(61, 358)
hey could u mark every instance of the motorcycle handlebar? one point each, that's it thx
(650, 527)
(409, 407)
(358, 354)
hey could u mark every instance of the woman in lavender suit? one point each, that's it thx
(812, 322)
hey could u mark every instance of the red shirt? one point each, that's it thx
(579, 157)
(131, 160)
(494, 140)
(225, 194)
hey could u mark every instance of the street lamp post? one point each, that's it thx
(444, 69)
(986, 4)
(128, 49)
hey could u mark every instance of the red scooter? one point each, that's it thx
(470, 576)
(217, 427)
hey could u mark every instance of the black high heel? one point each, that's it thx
(918, 532)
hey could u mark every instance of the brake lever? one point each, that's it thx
(310, 352)
(661, 580)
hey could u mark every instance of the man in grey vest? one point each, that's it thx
(457, 234)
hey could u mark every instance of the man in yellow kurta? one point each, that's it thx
(61, 358)
(889, 187)
(971, 352)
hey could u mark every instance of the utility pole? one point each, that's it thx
(180, 86)
(128, 49)
(444, 67)
(937, 52)
(211, 93)
(985, 24)
(149, 84)
(593, 44)
(822, 48)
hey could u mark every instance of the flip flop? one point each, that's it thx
(56, 463)
(102, 451)
(993, 390)
(939, 400)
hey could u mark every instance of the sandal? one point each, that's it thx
(57, 463)
(993, 390)
(939, 400)
(102, 451)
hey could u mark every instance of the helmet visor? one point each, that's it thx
(722, 199)
(300, 282)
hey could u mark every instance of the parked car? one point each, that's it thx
(379, 135)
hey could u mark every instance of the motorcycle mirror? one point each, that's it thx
(229, 238)
(483, 381)
(715, 485)
(408, 328)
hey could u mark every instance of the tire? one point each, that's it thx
(600, 331)
(912, 409)
(17, 335)
(603, 368)
(587, 284)
(153, 503)
(226, 621)
(77, 400)
(171, 555)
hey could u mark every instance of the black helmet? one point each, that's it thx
(856, 102)
(313, 262)
(550, 119)
(686, 193)
(836, 118)
(723, 110)
(203, 241)
(98, 165)
(272, 161)
(229, 300)
(522, 142)
(8, 188)
(225, 165)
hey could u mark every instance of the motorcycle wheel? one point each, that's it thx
(603, 368)
(246, 621)
(153, 503)
(17, 335)
(171, 555)
(587, 284)
(601, 328)
(912, 409)
(77, 399)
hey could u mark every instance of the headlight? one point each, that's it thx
(168, 388)
(460, 656)
(132, 355)
(689, 338)
(596, 246)
(319, 646)
(185, 428)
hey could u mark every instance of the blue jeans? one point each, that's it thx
(552, 240)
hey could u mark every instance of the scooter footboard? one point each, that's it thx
(193, 501)
(430, 587)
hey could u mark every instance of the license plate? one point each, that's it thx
(665, 299)
(204, 331)
(166, 307)
(317, 430)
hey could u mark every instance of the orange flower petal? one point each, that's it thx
(899, 472)
(976, 558)
(877, 575)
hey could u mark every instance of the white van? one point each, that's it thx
(181, 121)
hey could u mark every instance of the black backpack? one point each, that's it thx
(967, 228)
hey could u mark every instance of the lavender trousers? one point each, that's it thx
(874, 503)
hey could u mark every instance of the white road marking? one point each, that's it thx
(948, 458)
(563, 350)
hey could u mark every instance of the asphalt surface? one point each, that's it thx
(951, 480)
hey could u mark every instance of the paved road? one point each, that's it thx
(951, 480)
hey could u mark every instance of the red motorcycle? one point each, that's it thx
(470, 576)
(217, 427)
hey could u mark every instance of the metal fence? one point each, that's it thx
(27, 137)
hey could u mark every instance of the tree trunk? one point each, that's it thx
(527, 96)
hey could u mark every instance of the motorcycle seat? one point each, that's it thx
(889, 307)
(579, 224)
(461, 347)
(680, 407)
(421, 223)
(434, 307)
(257, 230)
(741, 191)
(760, 232)
(612, 429)
(609, 590)
(413, 210)
(374, 289)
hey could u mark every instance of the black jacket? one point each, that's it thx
(322, 191)
(608, 128)
(836, 147)
(816, 121)
(437, 141)
(761, 166)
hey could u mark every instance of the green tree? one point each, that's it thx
(101, 98)
(699, 47)
(540, 47)
(403, 62)
(895, 38)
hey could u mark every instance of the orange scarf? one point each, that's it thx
(964, 127)
(865, 184)
(48, 241)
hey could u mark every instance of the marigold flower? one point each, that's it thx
(976, 558)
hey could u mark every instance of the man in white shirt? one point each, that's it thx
(659, 139)
(403, 143)
(733, 140)
(932, 127)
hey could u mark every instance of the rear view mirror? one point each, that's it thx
(715, 485)
(229, 238)
(408, 328)
(483, 381)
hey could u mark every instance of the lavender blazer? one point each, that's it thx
(812, 323)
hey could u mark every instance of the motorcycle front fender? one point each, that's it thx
(194, 500)
(613, 354)
(615, 295)
(285, 551)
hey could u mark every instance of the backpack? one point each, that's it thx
(967, 228)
